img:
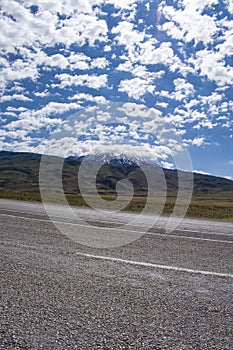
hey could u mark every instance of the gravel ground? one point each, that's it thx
(52, 298)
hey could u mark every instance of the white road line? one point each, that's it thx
(189, 237)
(198, 221)
(62, 216)
(137, 263)
(203, 232)
(119, 228)
(115, 222)
(24, 212)
(157, 266)
(65, 217)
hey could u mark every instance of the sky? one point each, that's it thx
(148, 78)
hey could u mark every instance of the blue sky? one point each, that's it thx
(119, 73)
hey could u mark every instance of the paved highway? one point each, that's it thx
(164, 290)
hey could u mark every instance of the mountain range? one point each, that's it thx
(19, 174)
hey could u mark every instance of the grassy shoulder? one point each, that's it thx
(211, 206)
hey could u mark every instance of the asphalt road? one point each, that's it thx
(164, 290)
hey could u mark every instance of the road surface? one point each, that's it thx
(165, 290)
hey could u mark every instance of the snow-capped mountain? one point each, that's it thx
(113, 159)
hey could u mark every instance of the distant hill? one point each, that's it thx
(19, 174)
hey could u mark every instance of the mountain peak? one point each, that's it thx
(121, 159)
